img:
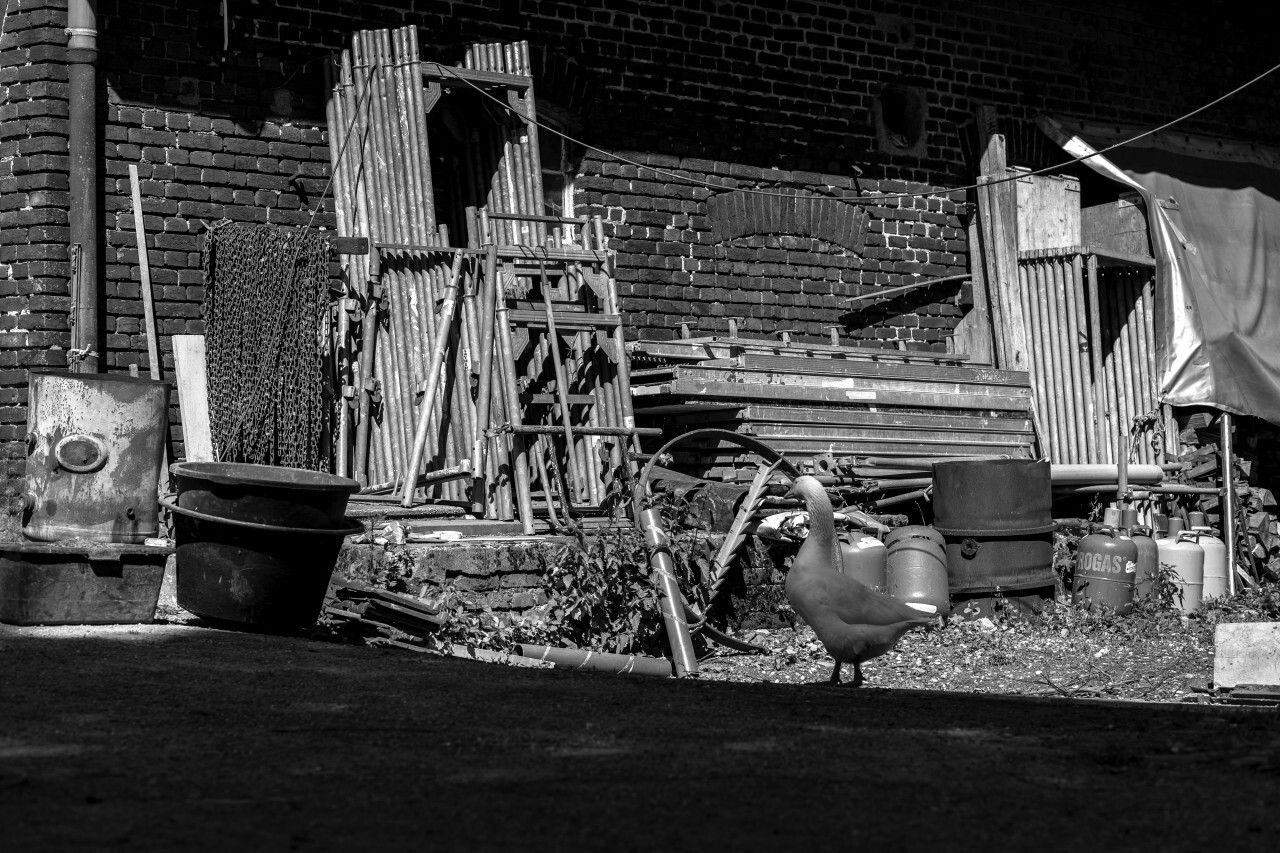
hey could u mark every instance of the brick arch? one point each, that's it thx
(787, 211)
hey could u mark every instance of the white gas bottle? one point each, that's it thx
(1186, 557)
(1215, 557)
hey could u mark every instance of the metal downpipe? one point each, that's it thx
(85, 214)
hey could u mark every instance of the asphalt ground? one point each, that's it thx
(180, 737)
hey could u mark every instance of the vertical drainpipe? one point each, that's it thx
(85, 177)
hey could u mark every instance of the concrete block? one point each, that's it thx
(1247, 653)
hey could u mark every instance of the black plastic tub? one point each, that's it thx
(263, 576)
(263, 494)
(48, 583)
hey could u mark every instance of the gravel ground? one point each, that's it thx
(983, 657)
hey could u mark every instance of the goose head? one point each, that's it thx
(809, 490)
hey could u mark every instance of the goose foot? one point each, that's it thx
(835, 674)
(857, 675)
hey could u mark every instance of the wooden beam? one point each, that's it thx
(998, 223)
(973, 333)
(193, 397)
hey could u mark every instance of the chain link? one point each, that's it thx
(266, 309)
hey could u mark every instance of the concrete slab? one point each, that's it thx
(1246, 653)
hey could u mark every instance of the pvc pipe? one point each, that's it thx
(585, 660)
(1228, 500)
(663, 577)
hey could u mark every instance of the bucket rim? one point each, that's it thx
(97, 377)
(352, 527)
(247, 474)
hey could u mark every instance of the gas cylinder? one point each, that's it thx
(1144, 579)
(916, 568)
(1105, 566)
(1215, 557)
(1182, 552)
(863, 558)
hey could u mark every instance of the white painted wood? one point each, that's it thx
(193, 397)
(1247, 653)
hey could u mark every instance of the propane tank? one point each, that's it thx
(1215, 557)
(916, 569)
(1105, 566)
(863, 557)
(1148, 569)
(1187, 559)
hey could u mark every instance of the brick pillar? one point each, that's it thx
(34, 268)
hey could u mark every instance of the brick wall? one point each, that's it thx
(735, 94)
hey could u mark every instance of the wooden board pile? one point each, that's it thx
(1257, 527)
(807, 400)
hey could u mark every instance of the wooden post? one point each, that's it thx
(997, 216)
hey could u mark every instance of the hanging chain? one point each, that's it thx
(265, 310)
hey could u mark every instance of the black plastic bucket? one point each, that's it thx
(260, 575)
(263, 494)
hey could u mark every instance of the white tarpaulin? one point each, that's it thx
(1214, 213)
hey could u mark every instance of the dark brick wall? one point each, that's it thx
(736, 94)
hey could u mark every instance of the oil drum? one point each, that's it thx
(997, 520)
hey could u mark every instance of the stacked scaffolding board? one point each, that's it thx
(807, 401)
(483, 368)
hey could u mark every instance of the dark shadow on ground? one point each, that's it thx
(170, 737)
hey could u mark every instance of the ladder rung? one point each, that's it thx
(449, 75)
(552, 399)
(549, 429)
(566, 321)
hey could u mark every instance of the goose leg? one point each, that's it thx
(835, 673)
(857, 674)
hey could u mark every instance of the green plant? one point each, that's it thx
(599, 595)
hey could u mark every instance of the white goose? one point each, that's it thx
(854, 622)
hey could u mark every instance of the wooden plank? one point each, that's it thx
(882, 418)
(193, 397)
(770, 432)
(1246, 653)
(752, 392)
(718, 347)
(1119, 225)
(707, 451)
(1048, 211)
(844, 367)
(973, 334)
(997, 217)
(144, 272)
(870, 382)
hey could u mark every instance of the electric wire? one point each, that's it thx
(875, 199)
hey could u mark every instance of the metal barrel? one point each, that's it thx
(997, 521)
(97, 446)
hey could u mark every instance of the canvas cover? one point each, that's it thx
(1214, 214)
